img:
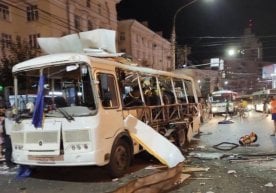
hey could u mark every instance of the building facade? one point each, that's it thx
(146, 47)
(206, 80)
(243, 72)
(28, 19)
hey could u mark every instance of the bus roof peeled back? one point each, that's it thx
(101, 39)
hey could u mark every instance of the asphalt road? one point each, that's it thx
(246, 177)
(243, 169)
(214, 133)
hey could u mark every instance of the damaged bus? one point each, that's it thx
(77, 117)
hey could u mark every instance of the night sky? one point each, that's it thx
(222, 21)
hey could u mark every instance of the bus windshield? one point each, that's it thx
(66, 87)
(218, 98)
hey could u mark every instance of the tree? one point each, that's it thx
(16, 53)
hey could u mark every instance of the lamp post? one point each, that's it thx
(173, 37)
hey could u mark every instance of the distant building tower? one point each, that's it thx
(251, 47)
(244, 70)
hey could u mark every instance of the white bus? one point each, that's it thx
(86, 125)
(259, 97)
(219, 101)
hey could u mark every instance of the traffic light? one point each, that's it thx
(1, 88)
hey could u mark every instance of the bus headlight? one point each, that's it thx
(214, 109)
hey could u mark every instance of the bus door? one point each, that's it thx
(110, 110)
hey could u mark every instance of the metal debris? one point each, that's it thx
(208, 156)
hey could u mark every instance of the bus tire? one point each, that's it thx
(120, 159)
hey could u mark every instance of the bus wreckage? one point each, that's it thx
(97, 108)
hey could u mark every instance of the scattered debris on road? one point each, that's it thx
(203, 155)
(194, 169)
(269, 185)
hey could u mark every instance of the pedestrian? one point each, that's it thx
(201, 106)
(273, 113)
(227, 110)
(1, 137)
(6, 123)
(7, 141)
(2, 117)
(265, 107)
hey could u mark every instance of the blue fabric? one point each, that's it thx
(23, 172)
(39, 104)
(273, 116)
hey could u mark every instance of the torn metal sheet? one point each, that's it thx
(102, 39)
(156, 144)
(203, 155)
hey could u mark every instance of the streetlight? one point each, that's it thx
(173, 42)
(231, 52)
(173, 37)
(225, 84)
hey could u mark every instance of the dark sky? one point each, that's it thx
(223, 20)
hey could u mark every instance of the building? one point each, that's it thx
(243, 72)
(146, 47)
(206, 80)
(28, 19)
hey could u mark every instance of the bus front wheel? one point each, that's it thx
(120, 159)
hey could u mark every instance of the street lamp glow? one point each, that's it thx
(231, 52)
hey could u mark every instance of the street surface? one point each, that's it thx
(246, 173)
(221, 175)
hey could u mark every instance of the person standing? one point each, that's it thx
(2, 117)
(7, 140)
(265, 107)
(273, 113)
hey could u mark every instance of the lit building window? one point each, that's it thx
(33, 40)
(4, 12)
(32, 13)
(6, 40)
